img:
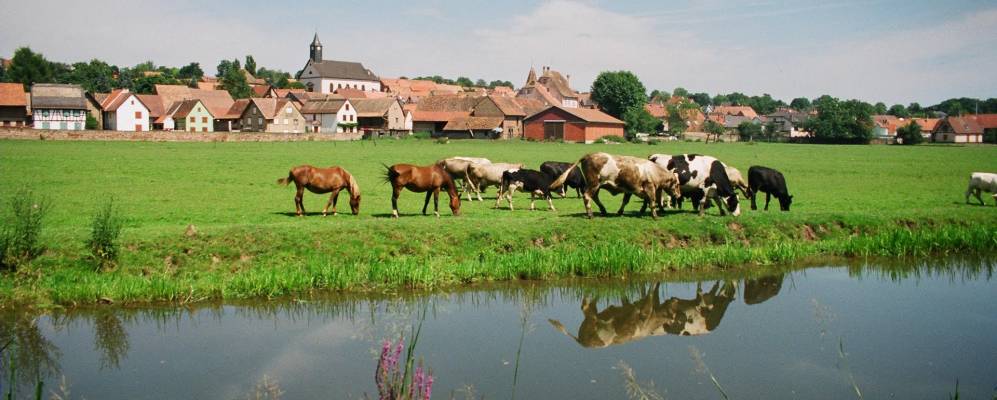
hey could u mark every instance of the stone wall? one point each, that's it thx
(174, 136)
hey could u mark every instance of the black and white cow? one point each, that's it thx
(530, 181)
(703, 178)
(772, 183)
(554, 169)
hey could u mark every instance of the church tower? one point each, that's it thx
(316, 49)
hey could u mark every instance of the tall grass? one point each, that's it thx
(21, 230)
(104, 232)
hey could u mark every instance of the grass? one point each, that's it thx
(849, 201)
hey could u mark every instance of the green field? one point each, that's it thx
(849, 200)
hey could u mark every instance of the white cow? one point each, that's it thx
(982, 182)
(481, 176)
(457, 168)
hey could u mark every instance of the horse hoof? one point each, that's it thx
(436, 214)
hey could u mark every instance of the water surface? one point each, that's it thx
(817, 333)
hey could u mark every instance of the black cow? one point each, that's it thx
(534, 182)
(772, 183)
(554, 169)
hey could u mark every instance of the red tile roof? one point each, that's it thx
(736, 110)
(217, 101)
(12, 95)
(963, 125)
(987, 121)
(473, 123)
(508, 106)
(437, 116)
(587, 115)
(656, 110)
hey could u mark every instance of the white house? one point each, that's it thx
(326, 76)
(58, 106)
(124, 111)
(331, 114)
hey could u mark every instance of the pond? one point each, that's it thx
(821, 332)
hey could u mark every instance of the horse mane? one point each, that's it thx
(354, 187)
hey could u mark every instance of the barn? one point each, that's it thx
(571, 125)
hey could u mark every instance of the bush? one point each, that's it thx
(910, 134)
(104, 232)
(442, 140)
(653, 141)
(91, 123)
(19, 237)
(613, 139)
(422, 135)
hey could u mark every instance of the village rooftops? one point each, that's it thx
(340, 70)
(587, 115)
(58, 96)
(217, 101)
(116, 98)
(323, 105)
(12, 95)
(369, 108)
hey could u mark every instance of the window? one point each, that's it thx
(45, 114)
(248, 121)
(138, 115)
(339, 86)
(204, 120)
(65, 113)
(331, 88)
(198, 109)
(259, 121)
(288, 109)
(347, 106)
(253, 111)
(193, 120)
(363, 87)
(132, 102)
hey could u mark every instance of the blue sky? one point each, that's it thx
(890, 51)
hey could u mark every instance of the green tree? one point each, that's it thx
(28, 67)
(737, 99)
(480, 83)
(464, 81)
(899, 111)
(638, 120)
(225, 65)
(702, 99)
(720, 99)
(618, 91)
(296, 85)
(680, 92)
(771, 130)
(234, 81)
(841, 121)
(676, 121)
(659, 96)
(191, 71)
(880, 108)
(749, 130)
(915, 109)
(713, 128)
(95, 76)
(800, 104)
(910, 134)
(250, 65)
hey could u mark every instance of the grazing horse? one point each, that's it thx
(320, 181)
(429, 179)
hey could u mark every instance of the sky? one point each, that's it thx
(894, 51)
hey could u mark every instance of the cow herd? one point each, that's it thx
(661, 181)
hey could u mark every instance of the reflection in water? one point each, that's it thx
(650, 316)
(110, 339)
(33, 355)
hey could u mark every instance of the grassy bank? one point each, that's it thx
(849, 201)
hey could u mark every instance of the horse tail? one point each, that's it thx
(389, 174)
(560, 180)
(289, 179)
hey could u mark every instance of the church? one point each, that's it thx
(327, 76)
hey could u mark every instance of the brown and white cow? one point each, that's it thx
(481, 176)
(622, 174)
(703, 178)
(457, 168)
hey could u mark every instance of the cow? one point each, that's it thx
(621, 174)
(457, 167)
(772, 183)
(481, 176)
(526, 180)
(733, 174)
(650, 316)
(702, 178)
(554, 169)
(982, 182)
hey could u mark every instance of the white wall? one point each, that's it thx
(125, 119)
(322, 85)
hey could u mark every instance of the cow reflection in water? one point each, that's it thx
(650, 316)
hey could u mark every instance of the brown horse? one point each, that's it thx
(320, 181)
(419, 179)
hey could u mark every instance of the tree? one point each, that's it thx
(748, 130)
(618, 91)
(910, 134)
(659, 96)
(28, 67)
(800, 104)
(915, 109)
(680, 92)
(638, 120)
(191, 71)
(480, 83)
(841, 121)
(225, 65)
(250, 65)
(713, 128)
(676, 121)
(899, 111)
(464, 81)
(95, 76)
(234, 81)
(771, 130)
(91, 122)
(880, 108)
(720, 99)
(702, 99)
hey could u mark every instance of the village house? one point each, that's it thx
(508, 115)
(958, 130)
(551, 87)
(122, 110)
(93, 107)
(156, 109)
(189, 116)
(743, 111)
(692, 116)
(571, 125)
(431, 114)
(58, 106)
(989, 124)
(13, 105)
(330, 114)
(788, 122)
(927, 125)
(325, 76)
(885, 126)
(231, 121)
(272, 115)
(384, 115)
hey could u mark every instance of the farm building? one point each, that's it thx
(379, 115)
(13, 105)
(572, 125)
(58, 106)
(122, 110)
(271, 115)
(190, 116)
(330, 114)
(958, 130)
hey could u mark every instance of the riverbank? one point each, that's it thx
(850, 201)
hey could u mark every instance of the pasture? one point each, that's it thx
(848, 200)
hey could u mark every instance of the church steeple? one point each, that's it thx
(316, 49)
(531, 79)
